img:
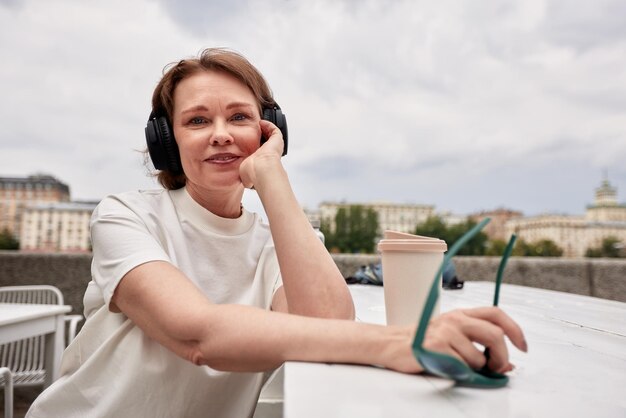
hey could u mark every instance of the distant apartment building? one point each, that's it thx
(56, 227)
(496, 228)
(391, 216)
(18, 192)
(575, 234)
(450, 218)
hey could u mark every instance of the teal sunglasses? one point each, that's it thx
(444, 365)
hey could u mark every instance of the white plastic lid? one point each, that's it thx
(401, 241)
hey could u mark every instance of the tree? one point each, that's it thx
(480, 244)
(610, 247)
(475, 246)
(329, 237)
(356, 229)
(435, 227)
(541, 248)
(7, 241)
(495, 247)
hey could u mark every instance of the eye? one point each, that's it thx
(239, 117)
(197, 120)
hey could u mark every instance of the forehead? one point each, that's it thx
(211, 85)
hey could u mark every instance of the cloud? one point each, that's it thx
(584, 25)
(461, 105)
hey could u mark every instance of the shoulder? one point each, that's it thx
(152, 209)
(135, 201)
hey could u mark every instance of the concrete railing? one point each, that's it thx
(599, 277)
(604, 278)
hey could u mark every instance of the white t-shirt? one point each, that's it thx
(113, 369)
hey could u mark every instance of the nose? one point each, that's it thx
(220, 135)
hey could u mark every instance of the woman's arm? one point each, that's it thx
(168, 307)
(312, 283)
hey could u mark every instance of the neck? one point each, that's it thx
(225, 204)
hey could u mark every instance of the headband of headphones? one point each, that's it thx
(164, 150)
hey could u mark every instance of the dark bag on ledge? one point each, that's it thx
(373, 274)
(369, 274)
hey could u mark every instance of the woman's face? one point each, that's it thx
(216, 126)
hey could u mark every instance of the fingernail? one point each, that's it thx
(504, 369)
(524, 346)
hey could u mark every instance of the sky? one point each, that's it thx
(464, 105)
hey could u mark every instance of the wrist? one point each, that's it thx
(396, 352)
(267, 168)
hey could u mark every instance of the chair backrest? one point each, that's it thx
(40, 294)
(25, 358)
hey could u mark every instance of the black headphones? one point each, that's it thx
(164, 150)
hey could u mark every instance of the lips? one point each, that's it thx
(223, 158)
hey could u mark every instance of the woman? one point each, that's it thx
(185, 278)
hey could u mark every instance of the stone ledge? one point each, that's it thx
(603, 278)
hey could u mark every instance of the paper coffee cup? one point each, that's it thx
(409, 266)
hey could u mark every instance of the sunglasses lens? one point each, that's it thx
(444, 366)
(485, 381)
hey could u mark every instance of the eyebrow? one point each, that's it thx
(202, 108)
(199, 108)
(238, 104)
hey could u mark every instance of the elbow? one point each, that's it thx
(231, 359)
(196, 352)
(196, 357)
(200, 357)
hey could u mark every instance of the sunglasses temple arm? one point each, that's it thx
(496, 295)
(503, 261)
(428, 308)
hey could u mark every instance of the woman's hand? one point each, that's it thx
(265, 156)
(455, 333)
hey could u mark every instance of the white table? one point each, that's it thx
(19, 321)
(575, 367)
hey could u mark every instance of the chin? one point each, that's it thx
(226, 184)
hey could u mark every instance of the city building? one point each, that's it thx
(18, 192)
(56, 227)
(496, 229)
(576, 234)
(391, 216)
(450, 218)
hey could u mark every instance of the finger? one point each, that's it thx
(448, 337)
(497, 317)
(492, 336)
(468, 352)
(245, 169)
(274, 138)
(268, 129)
(485, 333)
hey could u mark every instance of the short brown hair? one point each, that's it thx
(210, 59)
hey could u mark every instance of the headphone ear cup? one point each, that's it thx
(162, 145)
(277, 117)
(169, 145)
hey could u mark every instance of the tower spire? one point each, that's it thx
(606, 195)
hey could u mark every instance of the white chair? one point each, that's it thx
(6, 380)
(24, 359)
(271, 399)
